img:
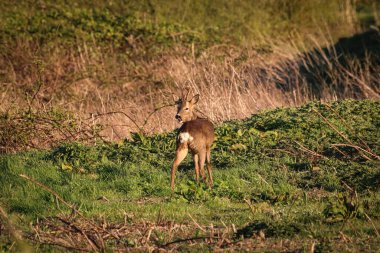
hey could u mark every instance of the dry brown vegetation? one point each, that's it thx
(73, 233)
(99, 87)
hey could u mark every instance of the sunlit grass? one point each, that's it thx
(284, 178)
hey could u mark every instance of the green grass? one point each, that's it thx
(265, 160)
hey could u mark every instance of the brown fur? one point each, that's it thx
(197, 135)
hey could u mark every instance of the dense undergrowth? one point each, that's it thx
(310, 172)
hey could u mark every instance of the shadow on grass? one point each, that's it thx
(270, 229)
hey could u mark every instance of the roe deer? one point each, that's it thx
(196, 134)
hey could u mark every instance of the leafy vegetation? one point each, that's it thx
(310, 172)
(62, 25)
(162, 21)
(289, 179)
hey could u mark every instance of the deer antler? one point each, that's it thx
(187, 90)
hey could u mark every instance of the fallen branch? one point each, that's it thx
(347, 126)
(196, 223)
(343, 136)
(51, 191)
(357, 148)
(373, 225)
(94, 245)
(310, 151)
(188, 239)
(72, 207)
(250, 206)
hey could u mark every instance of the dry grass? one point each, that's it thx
(103, 88)
(164, 236)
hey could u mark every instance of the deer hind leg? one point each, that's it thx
(208, 165)
(179, 156)
(202, 158)
(196, 165)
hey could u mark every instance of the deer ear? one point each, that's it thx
(178, 101)
(195, 99)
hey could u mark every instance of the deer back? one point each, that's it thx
(197, 134)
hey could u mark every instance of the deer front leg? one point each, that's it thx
(179, 156)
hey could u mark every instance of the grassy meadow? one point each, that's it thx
(286, 180)
(87, 128)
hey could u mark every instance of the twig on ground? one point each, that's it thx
(196, 223)
(250, 206)
(360, 150)
(93, 244)
(188, 239)
(302, 147)
(373, 225)
(72, 207)
(332, 126)
(357, 148)
(347, 125)
(262, 179)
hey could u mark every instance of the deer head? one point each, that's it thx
(185, 107)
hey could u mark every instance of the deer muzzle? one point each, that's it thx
(178, 117)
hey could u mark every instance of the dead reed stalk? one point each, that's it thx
(234, 83)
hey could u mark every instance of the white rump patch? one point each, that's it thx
(185, 137)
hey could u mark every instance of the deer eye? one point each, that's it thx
(186, 109)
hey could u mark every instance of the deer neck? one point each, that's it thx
(195, 116)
